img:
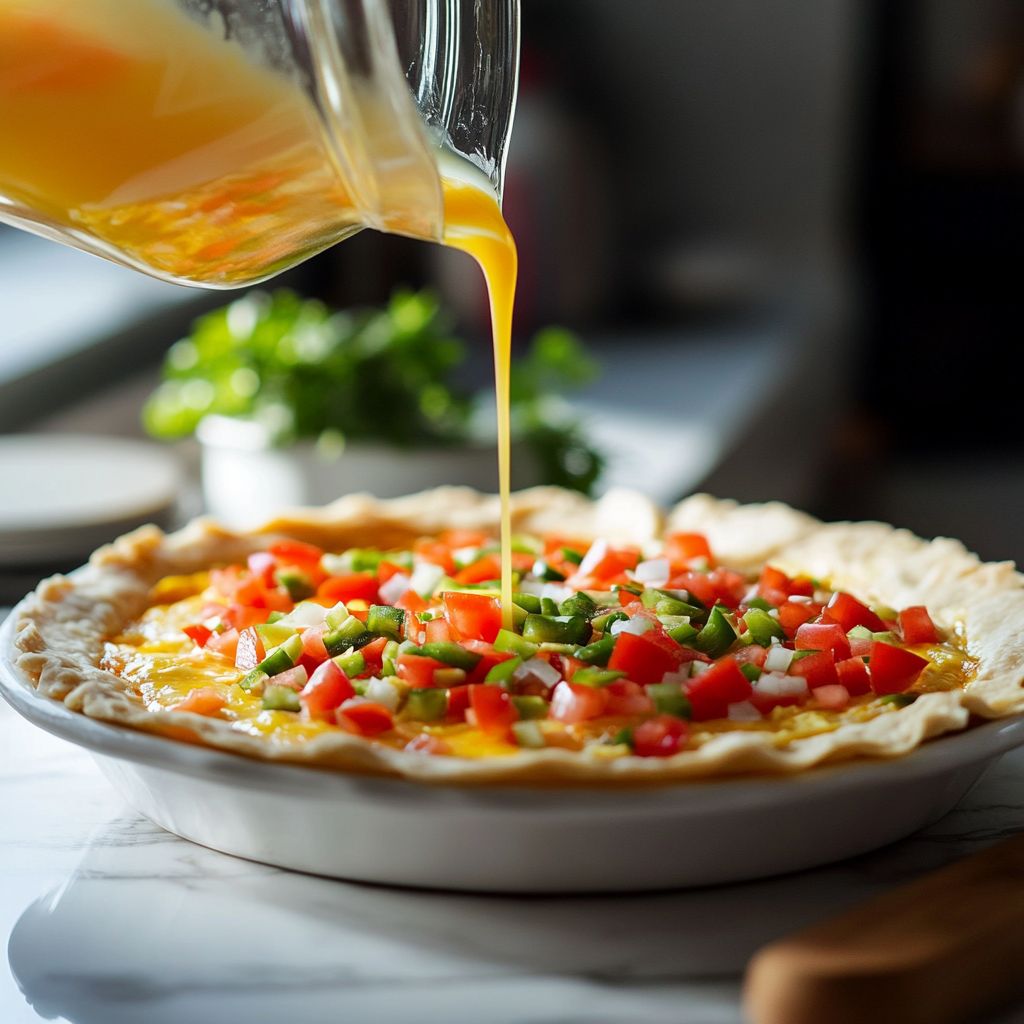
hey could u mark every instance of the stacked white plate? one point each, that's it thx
(63, 495)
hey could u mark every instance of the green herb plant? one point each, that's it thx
(385, 375)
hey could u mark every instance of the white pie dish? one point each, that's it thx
(519, 839)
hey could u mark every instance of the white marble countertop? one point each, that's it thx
(110, 920)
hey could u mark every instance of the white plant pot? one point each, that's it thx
(246, 480)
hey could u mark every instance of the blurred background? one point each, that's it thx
(788, 234)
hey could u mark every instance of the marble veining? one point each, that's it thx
(113, 921)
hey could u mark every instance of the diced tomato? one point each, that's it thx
(818, 669)
(473, 616)
(199, 633)
(752, 654)
(493, 709)
(249, 652)
(201, 701)
(660, 737)
(644, 658)
(729, 586)
(833, 697)
(853, 674)
(327, 688)
(822, 636)
(373, 655)
(254, 593)
(295, 552)
(437, 631)
(766, 702)
(352, 586)
(682, 548)
(701, 585)
(459, 538)
(412, 603)
(262, 565)
(776, 581)
(417, 671)
(386, 569)
(849, 612)
(793, 614)
(486, 568)
(436, 552)
(313, 643)
(860, 646)
(458, 702)
(242, 617)
(627, 698)
(225, 643)
(917, 627)
(571, 703)
(713, 691)
(627, 597)
(366, 719)
(894, 669)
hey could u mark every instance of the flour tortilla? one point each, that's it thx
(62, 626)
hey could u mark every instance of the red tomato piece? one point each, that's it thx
(627, 698)
(458, 702)
(417, 671)
(823, 636)
(241, 617)
(225, 643)
(682, 548)
(486, 568)
(645, 658)
(571, 703)
(701, 585)
(201, 701)
(436, 552)
(493, 709)
(729, 586)
(386, 569)
(199, 633)
(354, 586)
(327, 688)
(860, 646)
(752, 654)
(437, 631)
(473, 616)
(793, 614)
(818, 669)
(853, 674)
(917, 627)
(460, 538)
(833, 697)
(660, 737)
(249, 651)
(313, 643)
(295, 552)
(849, 612)
(366, 719)
(373, 655)
(713, 691)
(489, 657)
(412, 603)
(894, 669)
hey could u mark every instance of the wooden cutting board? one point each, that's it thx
(937, 951)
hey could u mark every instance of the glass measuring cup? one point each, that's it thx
(219, 142)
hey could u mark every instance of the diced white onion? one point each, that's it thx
(335, 565)
(306, 613)
(774, 613)
(654, 572)
(775, 684)
(425, 577)
(653, 548)
(680, 676)
(380, 691)
(534, 587)
(800, 599)
(749, 595)
(557, 592)
(465, 556)
(698, 668)
(637, 626)
(353, 702)
(539, 669)
(593, 558)
(394, 588)
(743, 711)
(778, 659)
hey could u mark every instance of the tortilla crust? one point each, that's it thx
(61, 627)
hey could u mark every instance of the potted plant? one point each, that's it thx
(296, 404)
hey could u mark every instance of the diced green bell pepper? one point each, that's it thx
(280, 698)
(384, 620)
(763, 627)
(531, 707)
(452, 654)
(669, 699)
(598, 652)
(512, 643)
(528, 734)
(503, 672)
(717, 636)
(579, 604)
(596, 677)
(558, 629)
(426, 705)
